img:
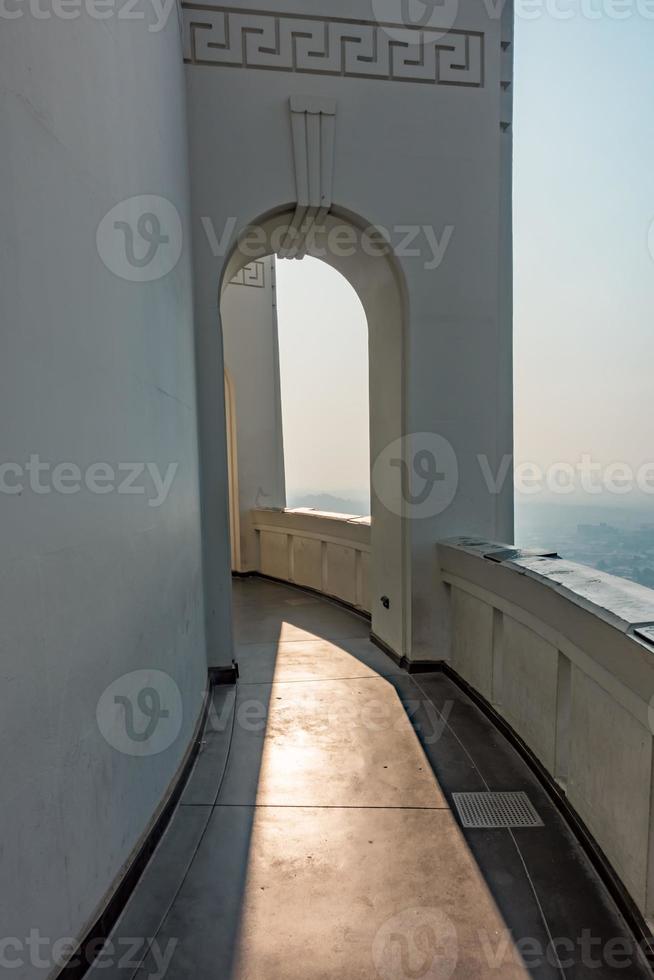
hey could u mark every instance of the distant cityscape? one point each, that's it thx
(616, 539)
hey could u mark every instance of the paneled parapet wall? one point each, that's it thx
(566, 655)
(326, 552)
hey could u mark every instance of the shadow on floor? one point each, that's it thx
(316, 836)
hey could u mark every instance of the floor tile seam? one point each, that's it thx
(318, 680)
(326, 806)
(316, 639)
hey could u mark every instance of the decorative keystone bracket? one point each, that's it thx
(313, 124)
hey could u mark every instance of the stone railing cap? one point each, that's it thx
(624, 604)
(327, 514)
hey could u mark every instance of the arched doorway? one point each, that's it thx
(366, 261)
(323, 363)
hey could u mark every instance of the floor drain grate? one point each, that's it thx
(496, 810)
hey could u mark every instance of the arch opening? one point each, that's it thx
(366, 261)
(323, 354)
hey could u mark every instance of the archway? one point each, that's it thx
(365, 259)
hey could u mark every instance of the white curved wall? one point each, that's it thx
(94, 368)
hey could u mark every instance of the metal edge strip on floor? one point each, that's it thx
(90, 946)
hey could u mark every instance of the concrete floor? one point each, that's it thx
(314, 839)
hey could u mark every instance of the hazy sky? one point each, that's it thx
(584, 276)
(583, 273)
(323, 349)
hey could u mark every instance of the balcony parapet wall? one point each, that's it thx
(565, 654)
(318, 550)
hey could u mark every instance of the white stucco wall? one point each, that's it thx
(93, 368)
(250, 343)
(407, 153)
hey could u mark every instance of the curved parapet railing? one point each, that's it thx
(329, 553)
(565, 654)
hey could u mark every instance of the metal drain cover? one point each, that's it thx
(496, 810)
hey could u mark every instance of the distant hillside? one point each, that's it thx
(327, 501)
